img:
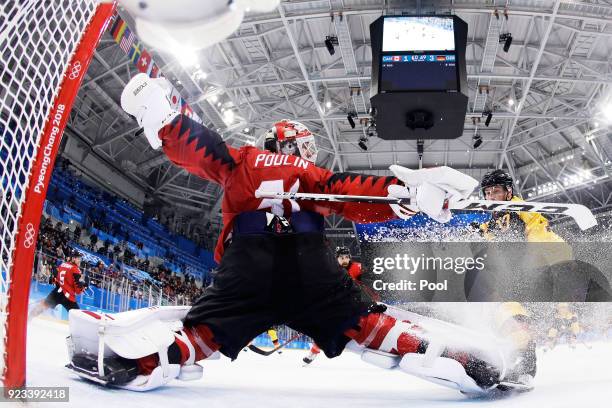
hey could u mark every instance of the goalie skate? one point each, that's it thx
(117, 370)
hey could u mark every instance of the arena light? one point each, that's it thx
(489, 116)
(586, 174)
(607, 110)
(506, 38)
(350, 119)
(477, 139)
(187, 57)
(199, 75)
(229, 116)
(330, 41)
(363, 143)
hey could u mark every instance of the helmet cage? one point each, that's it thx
(290, 137)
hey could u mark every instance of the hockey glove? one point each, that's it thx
(431, 189)
(148, 100)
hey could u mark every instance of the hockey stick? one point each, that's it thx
(257, 350)
(581, 214)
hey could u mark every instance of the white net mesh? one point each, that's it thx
(37, 39)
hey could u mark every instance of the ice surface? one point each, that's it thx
(566, 378)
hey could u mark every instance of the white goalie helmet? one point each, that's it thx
(291, 137)
(190, 24)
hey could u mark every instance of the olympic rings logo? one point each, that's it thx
(29, 235)
(76, 70)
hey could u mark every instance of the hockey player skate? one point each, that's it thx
(309, 359)
(137, 350)
(312, 354)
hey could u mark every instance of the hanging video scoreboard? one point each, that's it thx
(418, 54)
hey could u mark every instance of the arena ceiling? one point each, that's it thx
(550, 96)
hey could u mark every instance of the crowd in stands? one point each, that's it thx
(56, 240)
(111, 218)
(167, 267)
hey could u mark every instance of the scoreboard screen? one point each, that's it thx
(418, 34)
(418, 54)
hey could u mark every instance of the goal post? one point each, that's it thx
(46, 48)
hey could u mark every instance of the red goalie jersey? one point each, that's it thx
(242, 171)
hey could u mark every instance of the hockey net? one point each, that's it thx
(45, 47)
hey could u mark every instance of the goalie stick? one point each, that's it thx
(581, 214)
(257, 350)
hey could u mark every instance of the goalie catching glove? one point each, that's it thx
(430, 190)
(148, 100)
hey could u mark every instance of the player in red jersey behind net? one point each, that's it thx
(68, 284)
(275, 266)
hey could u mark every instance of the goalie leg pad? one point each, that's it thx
(131, 335)
(426, 348)
(145, 337)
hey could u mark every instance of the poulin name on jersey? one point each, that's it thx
(274, 160)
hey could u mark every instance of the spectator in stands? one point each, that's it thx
(128, 256)
(59, 253)
(106, 248)
(116, 252)
(77, 233)
(98, 268)
(64, 163)
(138, 294)
(93, 241)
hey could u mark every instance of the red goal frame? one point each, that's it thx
(27, 231)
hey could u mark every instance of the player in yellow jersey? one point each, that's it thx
(565, 324)
(497, 185)
(560, 276)
(274, 338)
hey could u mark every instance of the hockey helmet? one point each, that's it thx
(291, 137)
(342, 250)
(497, 177)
